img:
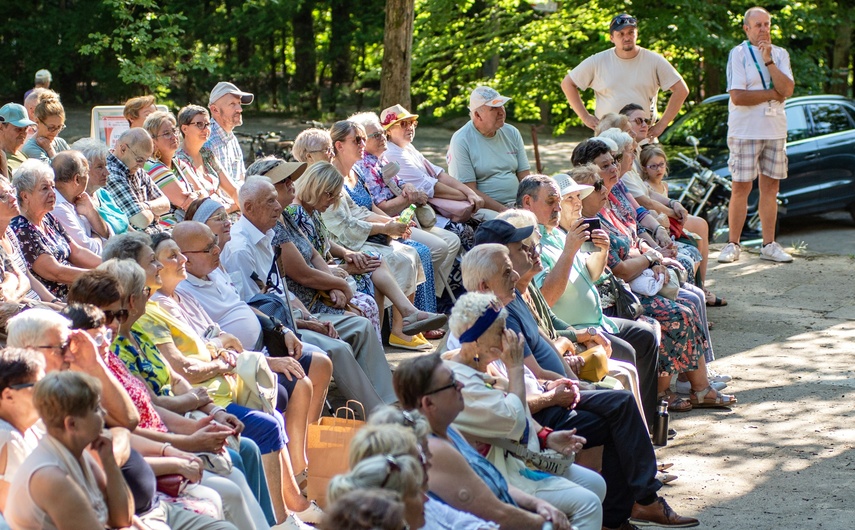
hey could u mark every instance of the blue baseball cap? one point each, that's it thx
(15, 114)
(501, 232)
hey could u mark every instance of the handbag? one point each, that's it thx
(671, 286)
(626, 304)
(425, 215)
(596, 365)
(457, 211)
(328, 448)
(258, 387)
(172, 484)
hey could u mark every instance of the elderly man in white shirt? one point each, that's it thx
(74, 208)
(249, 258)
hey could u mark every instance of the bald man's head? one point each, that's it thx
(199, 245)
(71, 170)
(133, 148)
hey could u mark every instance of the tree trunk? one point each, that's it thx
(397, 54)
(840, 55)
(305, 59)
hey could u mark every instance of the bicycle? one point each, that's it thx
(263, 144)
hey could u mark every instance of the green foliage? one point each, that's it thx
(146, 43)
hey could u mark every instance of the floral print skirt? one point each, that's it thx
(682, 342)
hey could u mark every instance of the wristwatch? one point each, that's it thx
(592, 332)
(769, 63)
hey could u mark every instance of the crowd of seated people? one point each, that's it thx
(174, 318)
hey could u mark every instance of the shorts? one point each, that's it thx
(749, 158)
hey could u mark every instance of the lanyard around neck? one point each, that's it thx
(759, 71)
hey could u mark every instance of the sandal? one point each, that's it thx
(701, 400)
(422, 321)
(434, 334)
(675, 403)
(713, 300)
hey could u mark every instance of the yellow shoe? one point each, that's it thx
(418, 343)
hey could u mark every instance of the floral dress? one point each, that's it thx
(51, 239)
(682, 341)
(425, 298)
(287, 231)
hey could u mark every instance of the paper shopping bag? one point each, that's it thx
(328, 447)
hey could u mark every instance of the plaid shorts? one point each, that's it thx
(749, 158)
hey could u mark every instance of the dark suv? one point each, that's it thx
(820, 148)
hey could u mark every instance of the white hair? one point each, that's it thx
(27, 329)
(377, 470)
(616, 135)
(252, 188)
(480, 264)
(469, 308)
(611, 144)
(366, 118)
(27, 176)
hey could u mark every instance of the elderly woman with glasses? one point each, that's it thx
(96, 152)
(50, 121)
(194, 123)
(683, 343)
(60, 480)
(55, 259)
(175, 177)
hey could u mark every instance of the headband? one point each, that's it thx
(482, 324)
(206, 210)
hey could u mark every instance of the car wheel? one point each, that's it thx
(851, 210)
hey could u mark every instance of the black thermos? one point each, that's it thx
(660, 425)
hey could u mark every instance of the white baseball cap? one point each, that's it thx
(224, 88)
(484, 95)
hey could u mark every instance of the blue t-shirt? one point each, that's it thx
(482, 467)
(521, 320)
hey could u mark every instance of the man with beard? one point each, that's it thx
(625, 74)
(226, 102)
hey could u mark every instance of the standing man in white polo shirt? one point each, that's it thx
(226, 103)
(625, 74)
(759, 79)
(487, 154)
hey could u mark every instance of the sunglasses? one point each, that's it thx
(119, 314)
(533, 250)
(598, 185)
(21, 386)
(642, 121)
(624, 19)
(452, 384)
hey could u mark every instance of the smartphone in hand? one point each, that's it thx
(593, 224)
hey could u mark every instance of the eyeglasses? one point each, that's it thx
(327, 151)
(221, 217)
(20, 386)
(393, 466)
(618, 157)
(642, 121)
(139, 160)
(409, 124)
(4, 196)
(103, 337)
(533, 250)
(209, 249)
(452, 384)
(173, 133)
(201, 125)
(119, 314)
(53, 128)
(376, 136)
(656, 167)
(329, 195)
(61, 348)
(598, 185)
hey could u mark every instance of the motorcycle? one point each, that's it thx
(706, 194)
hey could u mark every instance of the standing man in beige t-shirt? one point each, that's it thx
(625, 74)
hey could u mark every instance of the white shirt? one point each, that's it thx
(414, 167)
(249, 250)
(78, 227)
(751, 122)
(220, 300)
(18, 446)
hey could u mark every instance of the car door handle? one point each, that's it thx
(812, 156)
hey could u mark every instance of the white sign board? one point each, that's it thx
(108, 123)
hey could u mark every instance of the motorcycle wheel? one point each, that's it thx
(716, 218)
(754, 228)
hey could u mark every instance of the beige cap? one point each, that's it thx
(224, 88)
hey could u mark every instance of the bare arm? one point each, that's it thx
(571, 91)
(47, 267)
(83, 257)
(63, 500)
(295, 266)
(489, 202)
(754, 97)
(679, 93)
(194, 370)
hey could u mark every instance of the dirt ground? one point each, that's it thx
(784, 457)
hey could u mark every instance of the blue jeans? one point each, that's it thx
(249, 463)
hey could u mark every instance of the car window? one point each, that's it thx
(829, 118)
(797, 124)
(706, 122)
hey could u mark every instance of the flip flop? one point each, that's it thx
(715, 301)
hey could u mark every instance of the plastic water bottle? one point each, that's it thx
(407, 215)
(660, 425)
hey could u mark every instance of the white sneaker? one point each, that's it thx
(685, 387)
(774, 252)
(312, 515)
(729, 253)
(292, 522)
(716, 377)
